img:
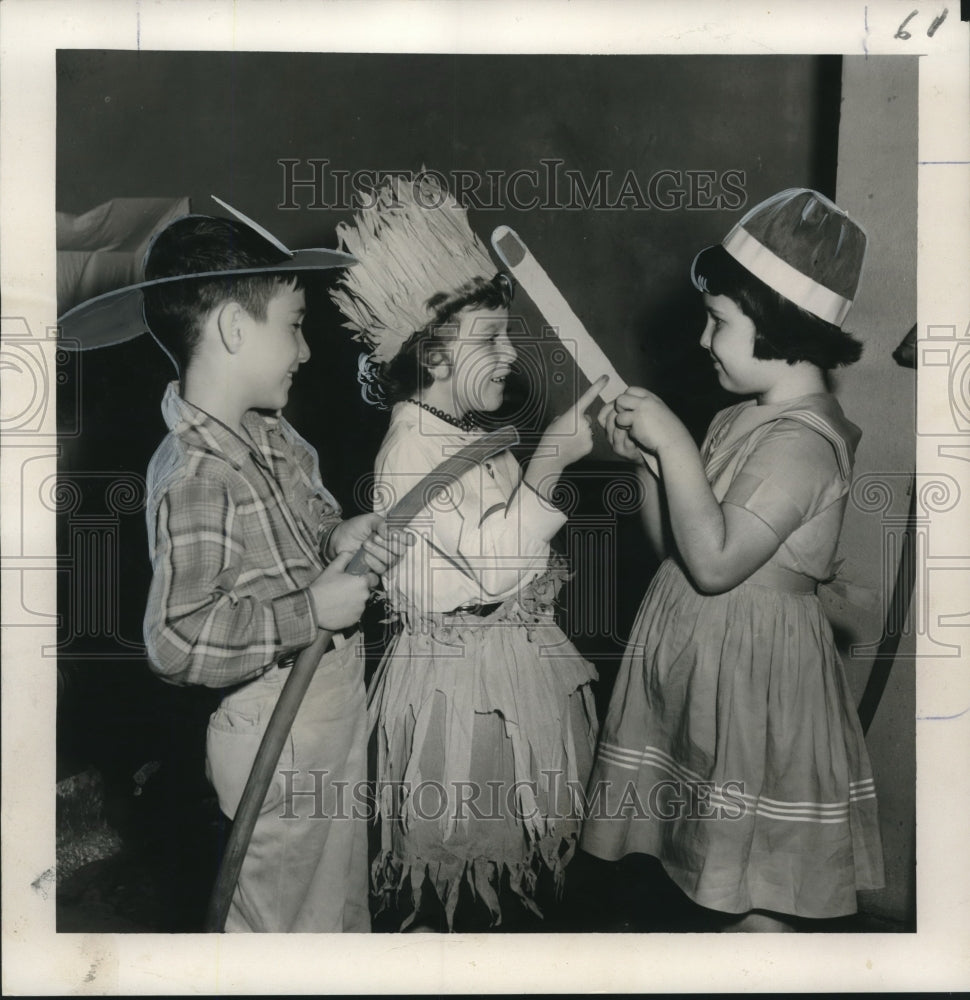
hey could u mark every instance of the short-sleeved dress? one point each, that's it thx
(731, 750)
(484, 719)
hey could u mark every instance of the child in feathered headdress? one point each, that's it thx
(482, 708)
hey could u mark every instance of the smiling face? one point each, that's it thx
(729, 339)
(275, 348)
(482, 360)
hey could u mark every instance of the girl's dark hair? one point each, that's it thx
(407, 372)
(783, 331)
(175, 311)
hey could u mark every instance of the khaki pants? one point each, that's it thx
(306, 866)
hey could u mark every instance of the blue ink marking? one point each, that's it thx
(944, 163)
(865, 41)
(138, 26)
(942, 718)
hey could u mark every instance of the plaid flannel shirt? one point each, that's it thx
(235, 533)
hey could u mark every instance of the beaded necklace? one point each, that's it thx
(465, 423)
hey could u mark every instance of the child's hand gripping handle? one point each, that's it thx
(295, 688)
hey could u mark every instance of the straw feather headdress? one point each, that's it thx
(411, 242)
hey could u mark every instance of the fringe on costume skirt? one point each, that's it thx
(485, 731)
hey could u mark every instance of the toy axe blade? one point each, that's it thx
(589, 356)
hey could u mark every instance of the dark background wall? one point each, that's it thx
(140, 124)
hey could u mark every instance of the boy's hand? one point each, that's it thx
(571, 434)
(338, 597)
(382, 548)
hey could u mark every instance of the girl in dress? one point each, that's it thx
(731, 750)
(481, 707)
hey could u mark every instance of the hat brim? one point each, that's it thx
(118, 316)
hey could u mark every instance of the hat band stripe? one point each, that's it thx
(785, 279)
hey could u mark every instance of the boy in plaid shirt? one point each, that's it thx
(248, 552)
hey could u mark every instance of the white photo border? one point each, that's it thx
(39, 961)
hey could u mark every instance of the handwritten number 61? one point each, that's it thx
(902, 33)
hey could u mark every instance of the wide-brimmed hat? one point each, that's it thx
(118, 315)
(805, 247)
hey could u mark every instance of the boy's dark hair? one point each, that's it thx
(783, 331)
(407, 372)
(176, 310)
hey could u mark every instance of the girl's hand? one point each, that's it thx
(620, 440)
(648, 420)
(570, 436)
